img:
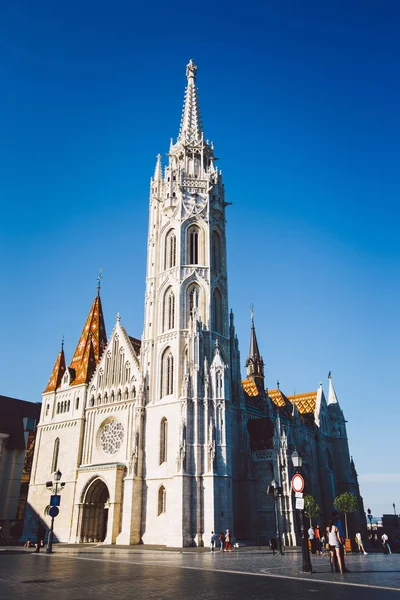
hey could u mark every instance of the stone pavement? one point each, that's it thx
(376, 571)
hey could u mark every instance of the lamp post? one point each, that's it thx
(54, 487)
(369, 515)
(276, 490)
(297, 461)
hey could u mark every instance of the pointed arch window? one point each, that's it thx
(193, 245)
(170, 250)
(216, 251)
(56, 451)
(218, 384)
(162, 500)
(163, 440)
(217, 311)
(169, 310)
(167, 373)
(192, 301)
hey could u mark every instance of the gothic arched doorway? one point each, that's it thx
(94, 515)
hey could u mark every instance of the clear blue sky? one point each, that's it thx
(302, 101)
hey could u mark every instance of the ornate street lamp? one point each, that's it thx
(276, 491)
(54, 486)
(297, 461)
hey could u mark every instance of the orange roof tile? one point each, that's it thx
(91, 344)
(250, 387)
(277, 397)
(305, 403)
(57, 373)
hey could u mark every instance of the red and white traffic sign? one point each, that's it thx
(297, 483)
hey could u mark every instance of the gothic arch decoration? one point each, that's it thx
(168, 317)
(163, 440)
(216, 251)
(167, 372)
(162, 501)
(56, 451)
(192, 301)
(193, 245)
(93, 517)
(217, 308)
(170, 250)
(110, 436)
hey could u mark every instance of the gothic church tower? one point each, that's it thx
(186, 346)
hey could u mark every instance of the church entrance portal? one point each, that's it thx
(94, 519)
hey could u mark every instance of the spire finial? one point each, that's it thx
(99, 278)
(330, 375)
(118, 317)
(277, 384)
(157, 171)
(191, 69)
(62, 342)
(252, 313)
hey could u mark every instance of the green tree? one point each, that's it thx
(346, 503)
(311, 508)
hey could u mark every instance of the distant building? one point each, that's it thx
(159, 440)
(18, 420)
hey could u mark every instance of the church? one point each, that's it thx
(159, 439)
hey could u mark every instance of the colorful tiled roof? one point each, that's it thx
(277, 397)
(91, 344)
(57, 373)
(305, 403)
(250, 387)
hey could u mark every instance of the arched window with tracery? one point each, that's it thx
(216, 251)
(163, 440)
(170, 250)
(162, 500)
(56, 451)
(167, 373)
(169, 310)
(218, 384)
(192, 301)
(217, 311)
(193, 245)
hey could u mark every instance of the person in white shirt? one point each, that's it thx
(386, 547)
(311, 537)
(360, 543)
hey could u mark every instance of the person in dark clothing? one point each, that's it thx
(40, 533)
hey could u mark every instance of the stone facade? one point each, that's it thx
(159, 441)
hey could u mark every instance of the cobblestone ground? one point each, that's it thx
(101, 573)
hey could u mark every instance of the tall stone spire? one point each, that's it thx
(191, 129)
(254, 363)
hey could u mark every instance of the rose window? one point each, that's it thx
(112, 436)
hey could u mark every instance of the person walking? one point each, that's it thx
(317, 540)
(40, 533)
(221, 541)
(311, 538)
(213, 541)
(334, 546)
(386, 547)
(360, 544)
(228, 541)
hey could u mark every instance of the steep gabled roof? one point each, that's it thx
(250, 387)
(57, 373)
(305, 403)
(91, 345)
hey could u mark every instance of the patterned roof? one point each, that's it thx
(277, 397)
(250, 387)
(305, 403)
(91, 345)
(136, 344)
(57, 373)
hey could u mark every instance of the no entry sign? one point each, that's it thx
(297, 483)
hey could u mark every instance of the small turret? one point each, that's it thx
(254, 363)
(57, 372)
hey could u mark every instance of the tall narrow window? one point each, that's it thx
(193, 246)
(218, 382)
(56, 450)
(167, 373)
(192, 301)
(170, 250)
(216, 251)
(163, 440)
(217, 311)
(169, 310)
(162, 500)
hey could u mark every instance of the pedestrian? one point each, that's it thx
(359, 543)
(386, 547)
(228, 541)
(273, 544)
(332, 533)
(311, 538)
(213, 541)
(27, 543)
(40, 533)
(317, 540)
(323, 545)
(221, 541)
